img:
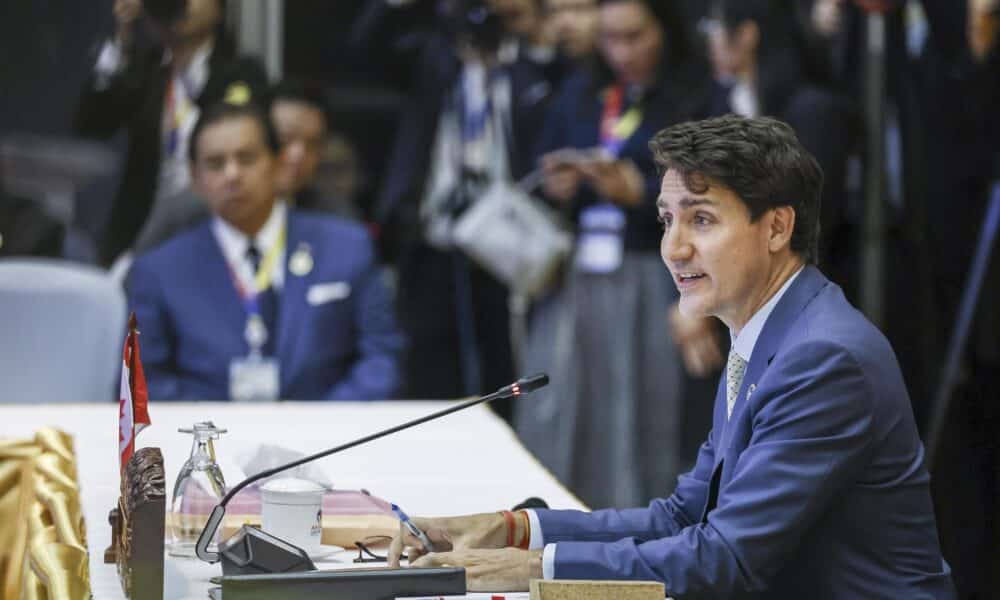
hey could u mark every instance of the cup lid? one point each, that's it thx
(292, 490)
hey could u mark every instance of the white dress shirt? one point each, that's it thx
(234, 244)
(743, 344)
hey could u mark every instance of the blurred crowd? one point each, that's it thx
(227, 178)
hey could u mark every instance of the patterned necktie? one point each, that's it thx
(736, 368)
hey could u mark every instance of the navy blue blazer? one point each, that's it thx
(339, 346)
(816, 485)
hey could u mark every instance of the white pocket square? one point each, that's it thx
(321, 293)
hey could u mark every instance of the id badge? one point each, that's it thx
(600, 246)
(254, 379)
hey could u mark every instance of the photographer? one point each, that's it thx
(476, 100)
(155, 92)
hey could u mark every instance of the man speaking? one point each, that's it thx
(812, 479)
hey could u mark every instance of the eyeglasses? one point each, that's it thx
(365, 555)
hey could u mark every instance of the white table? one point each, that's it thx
(464, 463)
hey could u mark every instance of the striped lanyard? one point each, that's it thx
(263, 278)
(616, 127)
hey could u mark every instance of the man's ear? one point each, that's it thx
(781, 228)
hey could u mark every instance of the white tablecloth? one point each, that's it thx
(464, 463)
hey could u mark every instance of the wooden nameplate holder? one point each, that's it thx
(137, 524)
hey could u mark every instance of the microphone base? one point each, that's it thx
(372, 584)
(253, 552)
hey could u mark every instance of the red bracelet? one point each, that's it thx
(508, 518)
(526, 539)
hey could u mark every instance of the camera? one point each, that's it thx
(473, 22)
(165, 12)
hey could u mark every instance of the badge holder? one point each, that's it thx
(600, 247)
(254, 378)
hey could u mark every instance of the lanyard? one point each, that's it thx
(262, 278)
(617, 128)
(179, 107)
(476, 101)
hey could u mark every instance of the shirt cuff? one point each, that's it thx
(109, 62)
(549, 562)
(537, 541)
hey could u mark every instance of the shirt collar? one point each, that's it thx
(195, 76)
(235, 243)
(743, 344)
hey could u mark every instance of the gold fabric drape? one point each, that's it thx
(43, 550)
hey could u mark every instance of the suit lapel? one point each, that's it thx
(293, 291)
(798, 295)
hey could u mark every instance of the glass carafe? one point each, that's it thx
(198, 488)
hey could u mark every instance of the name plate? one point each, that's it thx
(542, 589)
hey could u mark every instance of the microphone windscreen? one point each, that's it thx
(533, 502)
(532, 383)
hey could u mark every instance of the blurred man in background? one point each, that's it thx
(261, 300)
(301, 118)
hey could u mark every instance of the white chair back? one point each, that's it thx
(62, 327)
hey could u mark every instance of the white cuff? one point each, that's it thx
(549, 562)
(537, 541)
(109, 63)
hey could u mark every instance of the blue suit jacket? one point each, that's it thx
(816, 484)
(192, 318)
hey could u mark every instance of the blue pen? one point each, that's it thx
(420, 535)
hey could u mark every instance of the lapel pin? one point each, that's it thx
(301, 262)
(750, 391)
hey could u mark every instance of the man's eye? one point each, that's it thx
(701, 220)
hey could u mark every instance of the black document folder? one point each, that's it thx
(349, 584)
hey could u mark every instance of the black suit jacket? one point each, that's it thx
(133, 100)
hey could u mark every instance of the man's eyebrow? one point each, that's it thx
(685, 202)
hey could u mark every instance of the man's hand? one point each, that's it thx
(697, 341)
(505, 570)
(126, 12)
(616, 180)
(562, 178)
(486, 530)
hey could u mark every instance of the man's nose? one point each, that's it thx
(231, 171)
(676, 246)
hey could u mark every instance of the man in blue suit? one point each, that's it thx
(812, 479)
(261, 291)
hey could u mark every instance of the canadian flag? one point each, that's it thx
(133, 406)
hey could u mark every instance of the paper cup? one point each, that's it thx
(292, 509)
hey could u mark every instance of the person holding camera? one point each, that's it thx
(477, 98)
(155, 91)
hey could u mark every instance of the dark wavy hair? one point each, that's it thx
(225, 111)
(760, 160)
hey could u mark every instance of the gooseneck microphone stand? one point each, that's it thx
(522, 386)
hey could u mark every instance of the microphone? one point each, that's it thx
(521, 386)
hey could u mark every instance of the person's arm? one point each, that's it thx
(113, 92)
(811, 438)
(145, 298)
(663, 517)
(376, 373)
